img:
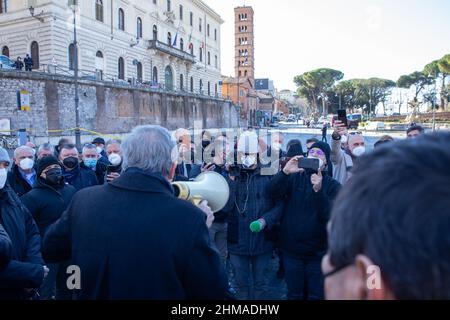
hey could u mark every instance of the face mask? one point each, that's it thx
(320, 161)
(90, 163)
(26, 164)
(70, 162)
(205, 143)
(3, 177)
(344, 139)
(54, 176)
(359, 151)
(99, 150)
(115, 159)
(248, 161)
(276, 146)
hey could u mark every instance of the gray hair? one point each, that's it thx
(148, 148)
(113, 141)
(89, 146)
(24, 148)
(46, 146)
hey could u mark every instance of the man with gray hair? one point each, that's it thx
(45, 150)
(22, 175)
(132, 238)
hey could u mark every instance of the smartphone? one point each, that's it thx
(308, 163)
(342, 116)
(111, 169)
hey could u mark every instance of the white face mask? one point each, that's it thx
(99, 150)
(3, 177)
(115, 159)
(320, 161)
(344, 139)
(26, 164)
(359, 151)
(276, 146)
(248, 161)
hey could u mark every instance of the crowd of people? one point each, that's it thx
(111, 211)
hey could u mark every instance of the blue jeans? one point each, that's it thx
(254, 267)
(304, 278)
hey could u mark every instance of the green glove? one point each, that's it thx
(258, 225)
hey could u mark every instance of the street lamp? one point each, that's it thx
(73, 4)
(31, 9)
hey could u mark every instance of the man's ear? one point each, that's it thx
(373, 286)
(172, 170)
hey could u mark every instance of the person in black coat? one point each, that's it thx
(19, 64)
(307, 197)
(132, 238)
(46, 202)
(75, 175)
(26, 270)
(23, 174)
(5, 248)
(28, 63)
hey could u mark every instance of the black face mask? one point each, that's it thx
(71, 162)
(205, 143)
(54, 176)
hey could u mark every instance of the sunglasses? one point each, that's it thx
(355, 133)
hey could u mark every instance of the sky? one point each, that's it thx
(362, 38)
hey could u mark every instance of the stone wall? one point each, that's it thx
(104, 106)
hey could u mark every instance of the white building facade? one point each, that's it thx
(170, 44)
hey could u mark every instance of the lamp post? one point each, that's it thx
(73, 4)
(31, 9)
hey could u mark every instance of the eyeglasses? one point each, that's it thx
(337, 270)
(316, 152)
(355, 133)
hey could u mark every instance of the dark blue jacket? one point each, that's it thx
(25, 270)
(247, 203)
(81, 178)
(17, 182)
(305, 215)
(5, 248)
(133, 239)
(46, 203)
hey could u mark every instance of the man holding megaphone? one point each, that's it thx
(132, 238)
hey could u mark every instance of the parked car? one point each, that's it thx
(6, 63)
(375, 125)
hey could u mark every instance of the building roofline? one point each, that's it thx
(209, 10)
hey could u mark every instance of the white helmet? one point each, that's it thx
(248, 142)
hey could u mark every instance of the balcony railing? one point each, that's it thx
(162, 47)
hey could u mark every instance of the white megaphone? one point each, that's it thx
(209, 186)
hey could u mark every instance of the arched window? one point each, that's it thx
(155, 75)
(216, 62)
(181, 44)
(245, 73)
(181, 82)
(138, 28)
(209, 88)
(121, 20)
(155, 32)
(121, 69)
(72, 57)
(99, 10)
(200, 54)
(139, 71)
(169, 38)
(215, 89)
(169, 78)
(99, 63)
(209, 58)
(200, 84)
(191, 46)
(35, 54)
(5, 51)
(192, 84)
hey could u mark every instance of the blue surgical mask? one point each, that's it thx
(90, 163)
